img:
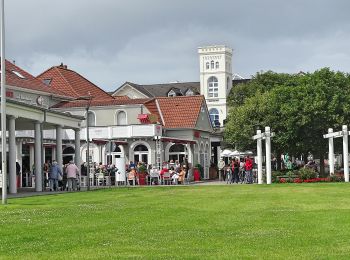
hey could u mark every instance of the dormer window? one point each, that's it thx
(47, 82)
(171, 93)
(189, 92)
(18, 74)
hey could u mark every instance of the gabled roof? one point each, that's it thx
(102, 102)
(17, 77)
(162, 90)
(180, 112)
(71, 83)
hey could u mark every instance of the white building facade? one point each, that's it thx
(216, 79)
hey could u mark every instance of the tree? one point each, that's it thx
(298, 108)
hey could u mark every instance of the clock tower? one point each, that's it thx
(215, 80)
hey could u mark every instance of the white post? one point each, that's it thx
(37, 157)
(259, 154)
(345, 153)
(330, 153)
(3, 105)
(12, 155)
(59, 155)
(268, 154)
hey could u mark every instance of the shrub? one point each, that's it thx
(335, 178)
(307, 173)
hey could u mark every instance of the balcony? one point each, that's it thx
(105, 132)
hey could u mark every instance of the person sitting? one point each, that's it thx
(154, 175)
(132, 176)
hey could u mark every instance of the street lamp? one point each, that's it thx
(88, 98)
(3, 107)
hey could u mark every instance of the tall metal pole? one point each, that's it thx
(88, 148)
(3, 107)
(345, 152)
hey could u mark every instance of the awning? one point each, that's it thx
(177, 140)
(104, 141)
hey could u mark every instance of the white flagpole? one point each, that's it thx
(3, 106)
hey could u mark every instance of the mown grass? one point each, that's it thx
(309, 221)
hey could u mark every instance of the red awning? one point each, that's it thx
(177, 140)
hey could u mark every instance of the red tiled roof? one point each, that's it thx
(27, 80)
(72, 83)
(101, 102)
(181, 111)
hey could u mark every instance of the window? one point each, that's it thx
(207, 65)
(92, 119)
(18, 74)
(189, 92)
(141, 154)
(171, 93)
(217, 65)
(121, 118)
(212, 64)
(214, 117)
(177, 152)
(228, 83)
(47, 82)
(213, 87)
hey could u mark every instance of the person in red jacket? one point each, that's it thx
(248, 169)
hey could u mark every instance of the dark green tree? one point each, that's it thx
(298, 108)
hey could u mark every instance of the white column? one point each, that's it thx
(19, 160)
(12, 155)
(59, 156)
(53, 154)
(268, 154)
(330, 153)
(77, 148)
(345, 153)
(259, 154)
(37, 157)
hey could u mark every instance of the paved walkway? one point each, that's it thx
(30, 192)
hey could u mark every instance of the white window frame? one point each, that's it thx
(213, 87)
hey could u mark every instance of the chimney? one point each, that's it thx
(63, 66)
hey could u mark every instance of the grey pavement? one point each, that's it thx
(30, 192)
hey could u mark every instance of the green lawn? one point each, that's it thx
(199, 222)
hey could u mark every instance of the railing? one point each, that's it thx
(107, 132)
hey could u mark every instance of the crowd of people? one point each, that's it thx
(171, 172)
(238, 170)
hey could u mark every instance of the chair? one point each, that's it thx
(100, 179)
(166, 178)
(154, 174)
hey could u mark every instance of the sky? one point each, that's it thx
(155, 41)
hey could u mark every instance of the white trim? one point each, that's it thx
(116, 116)
(136, 143)
(160, 111)
(127, 85)
(85, 115)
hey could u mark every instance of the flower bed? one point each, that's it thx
(299, 180)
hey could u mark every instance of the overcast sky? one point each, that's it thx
(155, 41)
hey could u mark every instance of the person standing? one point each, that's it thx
(55, 174)
(221, 166)
(72, 173)
(235, 170)
(248, 169)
